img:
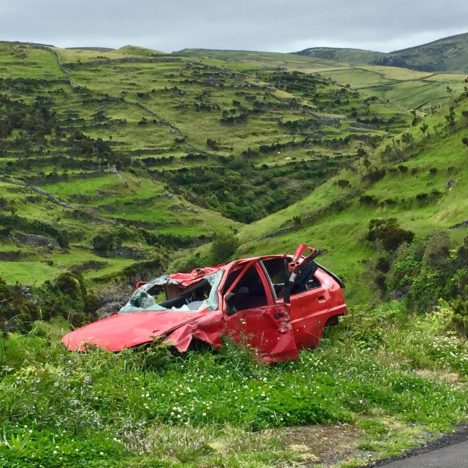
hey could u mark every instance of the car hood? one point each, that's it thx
(126, 330)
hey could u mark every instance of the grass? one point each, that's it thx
(342, 231)
(83, 84)
(20, 61)
(366, 373)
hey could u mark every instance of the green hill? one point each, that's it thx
(117, 165)
(355, 56)
(160, 151)
(447, 54)
(136, 51)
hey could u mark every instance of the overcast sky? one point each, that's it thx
(270, 25)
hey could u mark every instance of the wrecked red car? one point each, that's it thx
(276, 304)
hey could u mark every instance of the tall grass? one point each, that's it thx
(121, 402)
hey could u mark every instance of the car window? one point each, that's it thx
(276, 269)
(248, 292)
(232, 276)
(310, 282)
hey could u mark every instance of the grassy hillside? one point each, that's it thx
(447, 54)
(346, 55)
(409, 89)
(159, 152)
(420, 179)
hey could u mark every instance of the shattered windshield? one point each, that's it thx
(167, 294)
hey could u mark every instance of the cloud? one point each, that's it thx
(281, 25)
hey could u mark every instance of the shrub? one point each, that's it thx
(223, 247)
(368, 200)
(437, 250)
(460, 316)
(17, 308)
(427, 271)
(66, 296)
(343, 183)
(388, 233)
(374, 176)
(105, 244)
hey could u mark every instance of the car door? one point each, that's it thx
(308, 300)
(254, 318)
(309, 307)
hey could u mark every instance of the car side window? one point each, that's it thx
(277, 269)
(248, 293)
(311, 282)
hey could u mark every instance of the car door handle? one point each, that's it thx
(321, 298)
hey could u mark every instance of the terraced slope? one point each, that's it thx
(157, 152)
(410, 89)
(421, 180)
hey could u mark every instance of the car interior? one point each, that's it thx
(277, 269)
(248, 292)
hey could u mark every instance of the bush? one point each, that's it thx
(460, 316)
(388, 233)
(105, 244)
(66, 297)
(437, 250)
(427, 271)
(17, 308)
(224, 247)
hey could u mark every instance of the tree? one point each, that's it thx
(450, 117)
(224, 247)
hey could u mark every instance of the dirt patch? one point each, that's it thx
(12, 256)
(439, 376)
(320, 444)
(36, 240)
(113, 297)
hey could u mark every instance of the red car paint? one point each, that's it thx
(276, 304)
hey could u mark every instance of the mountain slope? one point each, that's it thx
(422, 183)
(355, 56)
(158, 152)
(410, 89)
(447, 54)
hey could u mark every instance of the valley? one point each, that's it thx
(121, 165)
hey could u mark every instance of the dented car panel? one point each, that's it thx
(275, 304)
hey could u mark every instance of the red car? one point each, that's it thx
(277, 304)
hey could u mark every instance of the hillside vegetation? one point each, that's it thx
(410, 89)
(418, 179)
(447, 54)
(159, 152)
(118, 165)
